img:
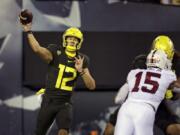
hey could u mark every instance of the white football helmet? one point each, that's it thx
(157, 59)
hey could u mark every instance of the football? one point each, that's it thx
(26, 16)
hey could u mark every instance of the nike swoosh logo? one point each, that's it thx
(69, 61)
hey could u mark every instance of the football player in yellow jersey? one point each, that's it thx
(65, 64)
(163, 119)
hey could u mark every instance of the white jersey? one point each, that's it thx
(149, 85)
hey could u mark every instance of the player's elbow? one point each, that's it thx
(36, 50)
(91, 86)
(118, 101)
(89, 82)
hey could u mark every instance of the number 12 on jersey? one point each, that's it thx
(61, 82)
(147, 81)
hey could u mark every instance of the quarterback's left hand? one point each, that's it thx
(79, 63)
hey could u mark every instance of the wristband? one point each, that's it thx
(82, 73)
(29, 32)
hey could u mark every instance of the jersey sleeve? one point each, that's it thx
(171, 76)
(122, 94)
(131, 74)
(53, 49)
(86, 60)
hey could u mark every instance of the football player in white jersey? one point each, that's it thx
(147, 89)
(140, 63)
(165, 119)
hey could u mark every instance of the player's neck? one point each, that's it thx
(70, 54)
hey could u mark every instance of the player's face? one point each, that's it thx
(72, 41)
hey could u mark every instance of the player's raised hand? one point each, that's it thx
(26, 27)
(25, 18)
(79, 63)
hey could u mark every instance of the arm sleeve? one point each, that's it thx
(122, 94)
(130, 74)
(86, 61)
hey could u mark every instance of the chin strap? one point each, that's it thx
(70, 54)
(71, 48)
(70, 51)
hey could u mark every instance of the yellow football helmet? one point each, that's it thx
(75, 32)
(164, 43)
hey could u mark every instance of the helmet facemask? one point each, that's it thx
(72, 32)
(157, 59)
(72, 45)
